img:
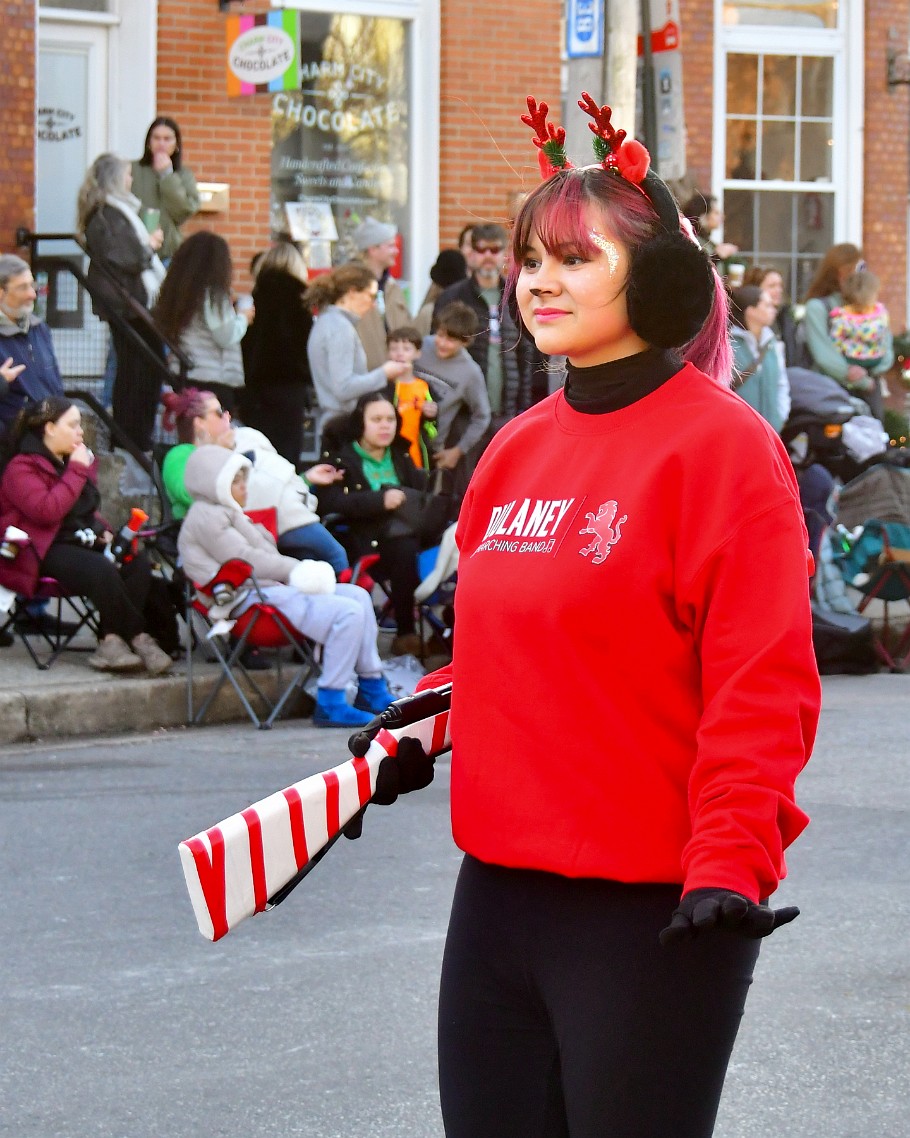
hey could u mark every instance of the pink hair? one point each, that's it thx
(555, 212)
(181, 408)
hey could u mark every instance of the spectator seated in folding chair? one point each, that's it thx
(48, 491)
(383, 505)
(339, 617)
(199, 419)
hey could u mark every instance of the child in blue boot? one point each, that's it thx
(340, 617)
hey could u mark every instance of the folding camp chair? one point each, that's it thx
(260, 625)
(878, 565)
(47, 636)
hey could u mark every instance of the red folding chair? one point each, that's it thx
(261, 625)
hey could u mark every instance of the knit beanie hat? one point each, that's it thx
(371, 232)
(450, 268)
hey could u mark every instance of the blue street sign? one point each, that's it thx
(584, 28)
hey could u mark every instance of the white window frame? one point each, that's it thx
(423, 80)
(845, 45)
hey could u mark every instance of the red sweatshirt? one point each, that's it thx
(635, 688)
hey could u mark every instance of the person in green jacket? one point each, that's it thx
(163, 183)
(825, 293)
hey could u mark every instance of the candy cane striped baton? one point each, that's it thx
(249, 862)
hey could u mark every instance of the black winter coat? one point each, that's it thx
(361, 507)
(111, 242)
(274, 347)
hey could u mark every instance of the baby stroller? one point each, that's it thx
(829, 426)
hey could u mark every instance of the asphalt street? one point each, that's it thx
(317, 1019)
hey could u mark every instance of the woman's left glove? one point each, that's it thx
(702, 909)
(313, 577)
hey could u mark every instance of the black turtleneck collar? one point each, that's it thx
(611, 386)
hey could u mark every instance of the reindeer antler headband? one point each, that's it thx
(615, 153)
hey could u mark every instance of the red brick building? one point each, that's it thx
(811, 92)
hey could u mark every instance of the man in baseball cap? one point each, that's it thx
(377, 248)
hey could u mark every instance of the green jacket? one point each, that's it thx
(175, 194)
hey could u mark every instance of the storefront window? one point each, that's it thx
(784, 13)
(340, 143)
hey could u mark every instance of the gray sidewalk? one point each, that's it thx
(70, 698)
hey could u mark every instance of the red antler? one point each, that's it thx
(545, 131)
(601, 125)
(549, 139)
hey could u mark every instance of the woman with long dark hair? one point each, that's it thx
(634, 694)
(194, 310)
(124, 268)
(48, 490)
(162, 182)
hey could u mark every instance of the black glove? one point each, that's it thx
(410, 769)
(701, 909)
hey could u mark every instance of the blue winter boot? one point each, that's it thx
(373, 694)
(333, 710)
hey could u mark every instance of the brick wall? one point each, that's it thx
(486, 152)
(493, 56)
(887, 152)
(17, 97)
(697, 34)
(224, 139)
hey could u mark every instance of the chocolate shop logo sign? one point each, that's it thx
(261, 54)
(57, 125)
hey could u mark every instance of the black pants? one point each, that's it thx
(278, 411)
(398, 564)
(129, 600)
(560, 1015)
(137, 385)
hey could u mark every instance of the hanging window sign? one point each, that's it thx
(262, 52)
(340, 141)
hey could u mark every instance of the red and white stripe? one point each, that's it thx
(233, 868)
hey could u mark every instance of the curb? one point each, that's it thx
(112, 707)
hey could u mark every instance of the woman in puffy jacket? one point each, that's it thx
(48, 490)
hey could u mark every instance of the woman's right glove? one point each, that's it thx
(703, 909)
(410, 769)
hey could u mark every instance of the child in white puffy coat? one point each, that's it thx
(340, 617)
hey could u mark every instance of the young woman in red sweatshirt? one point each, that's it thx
(634, 687)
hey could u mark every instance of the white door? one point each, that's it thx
(71, 131)
(72, 126)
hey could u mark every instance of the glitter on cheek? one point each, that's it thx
(606, 246)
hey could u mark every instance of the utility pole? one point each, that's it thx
(610, 76)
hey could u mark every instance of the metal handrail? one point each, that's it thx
(60, 261)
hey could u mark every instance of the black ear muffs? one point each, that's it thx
(671, 281)
(670, 291)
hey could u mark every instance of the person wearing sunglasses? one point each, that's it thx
(514, 370)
